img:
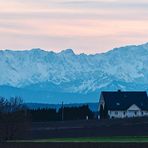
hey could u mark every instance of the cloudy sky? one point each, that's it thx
(90, 26)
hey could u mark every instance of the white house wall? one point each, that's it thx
(101, 102)
(127, 114)
(116, 114)
(132, 111)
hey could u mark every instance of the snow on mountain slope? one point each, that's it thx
(68, 72)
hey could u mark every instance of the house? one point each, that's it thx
(123, 104)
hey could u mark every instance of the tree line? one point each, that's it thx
(64, 113)
(16, 118)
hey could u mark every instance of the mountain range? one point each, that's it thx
(47, 77)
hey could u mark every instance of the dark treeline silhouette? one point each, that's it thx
(13, 118)
(43, 115)
(64, 113)
(76, 113)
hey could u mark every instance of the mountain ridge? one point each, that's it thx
(36, 70)
(71, 50)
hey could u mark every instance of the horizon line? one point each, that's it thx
(73, 50)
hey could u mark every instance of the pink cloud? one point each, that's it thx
(54, 24)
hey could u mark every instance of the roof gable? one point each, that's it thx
(133, 107)
(122, 100)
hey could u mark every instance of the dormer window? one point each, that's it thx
(117, 103)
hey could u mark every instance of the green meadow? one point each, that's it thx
(92, 139)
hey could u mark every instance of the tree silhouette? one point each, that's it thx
(13, 118)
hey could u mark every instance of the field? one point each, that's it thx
(92, 128)
(126, 139)
(129, 133)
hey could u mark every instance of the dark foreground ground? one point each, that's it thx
(43, 135)
(90, 128)
(73, 145)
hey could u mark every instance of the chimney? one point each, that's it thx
(119, 90)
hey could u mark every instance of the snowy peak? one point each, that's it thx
(67, 51)
(68, 72)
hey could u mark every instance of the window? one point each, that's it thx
(116, 113)
(135, 112)
(117, 103)
(124, 113)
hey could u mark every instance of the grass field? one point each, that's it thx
(95, 139)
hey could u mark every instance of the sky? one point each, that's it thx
(86, 26)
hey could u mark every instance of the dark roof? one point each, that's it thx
(122, 100)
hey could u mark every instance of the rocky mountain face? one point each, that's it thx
(40, 76)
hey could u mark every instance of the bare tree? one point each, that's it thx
(13, 118)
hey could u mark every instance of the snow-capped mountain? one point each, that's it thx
(36, 70)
